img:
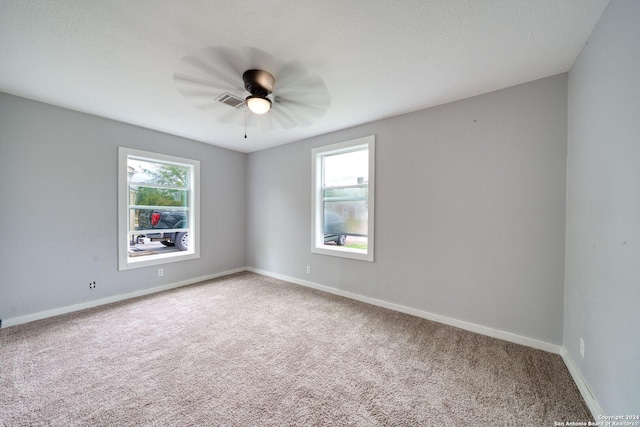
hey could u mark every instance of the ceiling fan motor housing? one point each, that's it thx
(258, 82)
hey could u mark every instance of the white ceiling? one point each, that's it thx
(377, 58)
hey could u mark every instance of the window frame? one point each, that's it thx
(317, 218)
(125, 262)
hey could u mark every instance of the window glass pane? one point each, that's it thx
(348, 194)
(163, 219)
(144, 172)
(346, 169)
(149, 196)
(350, 218)
(345, 199)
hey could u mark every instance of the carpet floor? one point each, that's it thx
(249, 350)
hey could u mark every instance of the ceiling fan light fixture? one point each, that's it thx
(258, 104)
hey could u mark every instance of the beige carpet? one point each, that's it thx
(248, 350)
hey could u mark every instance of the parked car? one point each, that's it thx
(334, 228)
(149, 219)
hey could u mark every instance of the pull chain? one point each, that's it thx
(245, 122)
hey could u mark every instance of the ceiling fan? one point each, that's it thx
(279, 95)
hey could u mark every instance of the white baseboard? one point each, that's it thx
(12, 321)
(484, 330)
(592, 403)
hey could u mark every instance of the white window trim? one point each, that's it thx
(124, 261)
(317, 236)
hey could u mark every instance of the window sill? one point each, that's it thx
(341, 252)
(159, 259)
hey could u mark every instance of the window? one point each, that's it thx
(158, 208)
(343, 192)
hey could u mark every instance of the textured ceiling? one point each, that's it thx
(377, 58)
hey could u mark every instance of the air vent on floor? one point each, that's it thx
(230, 100)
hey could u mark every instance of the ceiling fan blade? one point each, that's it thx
(213, 72)
(233, 116)
(233, 62)
(265, 121)
(228, 61)
(195, 94)
(186, 82)
(308, 109)
(303, 97)
(282, 118)
(261, 60)
(294, 77)
(208, 106)
(289, 74)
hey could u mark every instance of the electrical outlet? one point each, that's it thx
(581, 347)
(308, 269)
(160, 272)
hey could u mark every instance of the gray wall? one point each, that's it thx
(602, 294)
(470, 211)
(58, 218)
